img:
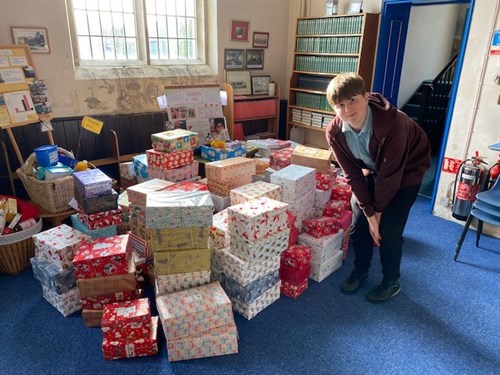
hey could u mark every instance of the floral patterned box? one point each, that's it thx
(92, 183)
(175, 140)
(126, 320)
(322, 248)
(181, 261)
(250, 309)
(226, 170)
(326, 181)
(169, 161)
(179, 281)
(254, 190)
(295, 181)
(137, 194)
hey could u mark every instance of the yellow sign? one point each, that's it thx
(91, 124)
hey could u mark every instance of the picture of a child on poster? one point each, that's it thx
(218, 129)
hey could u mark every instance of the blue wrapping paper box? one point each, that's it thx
(251, 291)
(60, 281)
(141, 165)
(105, 202)
(108, 231)
(92, 183)
(214, 154)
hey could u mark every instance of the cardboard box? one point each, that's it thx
(168, 239)
(181, 261)
(92, 318)
(311, 157)
(99, 286)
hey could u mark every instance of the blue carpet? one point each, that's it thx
(446, 320)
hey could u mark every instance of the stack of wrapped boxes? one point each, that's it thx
(224, 175)
(198, 322)
(98, 210)
(171, 157)
(105, 273)
(258, 235)
(179, 223)
(294, 270)
(52, 266)
(218, 239)
(341, 192)
(129, 330)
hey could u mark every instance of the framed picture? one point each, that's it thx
(260, 40)
(355, 7)
(36, 38)
(234, 59)
(239, 31)
(240, 80)
(260, 85)
(254, 58)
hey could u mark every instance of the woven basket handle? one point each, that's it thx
(27, 167)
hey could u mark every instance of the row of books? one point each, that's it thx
(337, 25)
(314, 119)
(348, 44)
(312, 82)
(254, 108)
(326, 64)
(312, 101)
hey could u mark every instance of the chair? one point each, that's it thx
(485, 209)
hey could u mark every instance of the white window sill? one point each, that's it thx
(115, 72)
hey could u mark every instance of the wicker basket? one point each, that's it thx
(16, 249)
(52, 195)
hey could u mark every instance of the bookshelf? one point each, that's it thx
(258, 114)
(325, 47)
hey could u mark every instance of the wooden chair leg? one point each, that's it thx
(479, 231)
(462, 237)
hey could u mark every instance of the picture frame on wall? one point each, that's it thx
(355, 7)
(260, 85)
(240, 80)
(234, 59)
(260, 40)
(254, 58)
(239, 31)
(37, 38)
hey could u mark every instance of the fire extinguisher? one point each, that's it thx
(468, 181)
(493, 174)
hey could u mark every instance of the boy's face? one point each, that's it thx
(353, 110)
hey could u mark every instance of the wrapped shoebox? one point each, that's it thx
(92, 318)
(214, 154)
(94, 234)
(98, 286)
(126, 170)
(346, 220)
(295, 180)
(140, 245)
(187, 186)
(92, 183)
(268, 146)
(294, 237)
(243, 272)
(293, 291)
(169, 161)
(141, 166)
(126, 320)
(297, 256)
(326, 181)
(103, 257)
(255, 190)
(66, 303)
(218, 236)
(336, 208)
(137, 194)
(320, 271)
(321, 197)
(322, 248)
(181, 261)
(251, 291)
(261, 164)
(281, 159)
(224, 189)
(341, 191)
(60, 281)
(104, 202)
(192, 311)
(170, 209)
(257, 218)
(268, 173)
(255, 251)
(179, 281)
(217, 341)
(227, 170)
(175, 140)
(179, 238)
(144, 346)
(180, 174)
(216, 259)
(311, 157)
(59, 245)
(294, 276)
(220, 202)
(98, 302)
(101, 219)
(250, 309)
(302, 206)
(321, 226)
(138, 228)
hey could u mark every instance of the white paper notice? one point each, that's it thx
(12, 75)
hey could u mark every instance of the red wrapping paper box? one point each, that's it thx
(346, 220)
(294, 237)
(336, 208)
(101, 219)
(321, 226)
(116, 349)
(294, 276)
(127, 320)
(103, 257)
(172, 160)
(293, 291)
(297, 256)
(281, 159)
(341, 192)
(326, 181)
(187, 186)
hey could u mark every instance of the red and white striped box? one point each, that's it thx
(137, 194)
(172, 160)
(103, 257)
(126, 320)
(321, 226)
(175, 140)
(296, 256)
(101, 219)
(144, 346)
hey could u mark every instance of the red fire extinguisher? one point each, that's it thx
(468, 182)
(493, 174)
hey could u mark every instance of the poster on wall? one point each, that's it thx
(495, 44)
(20, 106)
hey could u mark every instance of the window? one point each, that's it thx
(136, 32)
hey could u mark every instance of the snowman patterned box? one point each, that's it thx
(322, 248)
(175, 140)
(181, 261)
(251, 291)
(257, 218)
(168, 239)
(126, 320)
(255, 190)
(192, 311)
(103, 257)
(183, 173)
(60, 281)
(92, 183)
(172, 209)
(66, 303)
(214, 342)
(320, 271)
(144, 346)
(223, 171)
(295, 181)
(137, 193)
(265, 248)
(169, 161)
(218, 236)
(101, 219)
(250, 309)
(179, 281)
(59, 245)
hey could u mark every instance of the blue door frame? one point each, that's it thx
(395, 16)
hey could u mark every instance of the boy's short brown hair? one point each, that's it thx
(345, 86)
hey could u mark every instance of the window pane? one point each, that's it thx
(96, 43)
(81, 22)
(132, 48)
(120, 48)
(104, 5)
(118, 26)
(129, 25)
(106, 24)
(78, 4)
(162, 26)
(116, 5)
(109, 48)
(150, 6)
(128, 6)
(190, 8)
(84, 48)
(170, 4)
(172, 45)
(94, 24)
(172, 27)
(190, 28)
(160, 7)
(183, 49)
(181, 9)
(153, 48)
(163, 49)
(152, 26)
(92, 4)
(191, 49)
(181, 27)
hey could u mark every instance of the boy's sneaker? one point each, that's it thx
(353, 282)
(384, 292)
